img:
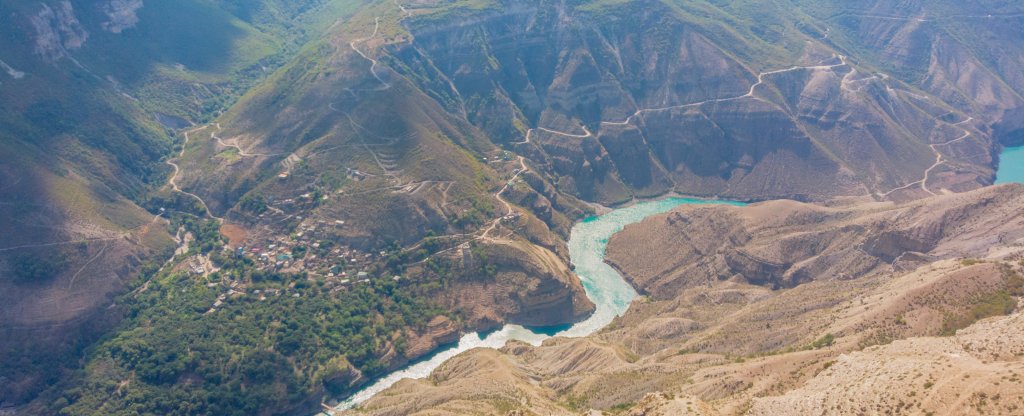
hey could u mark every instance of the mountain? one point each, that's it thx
(90, 94)
(871, 328)
(241, 207)
(640, 98)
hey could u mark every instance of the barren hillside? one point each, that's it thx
(919, 317)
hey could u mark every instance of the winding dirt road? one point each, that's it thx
(177, 170)
(509, 209)
(750, 93)
(241, 151)
(939, 161)
(373, 62)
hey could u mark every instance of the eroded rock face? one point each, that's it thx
(530, 286)
(57, 30)
(439, 331)
(121, 14)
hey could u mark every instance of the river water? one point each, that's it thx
(604, 286)
(1011, 165)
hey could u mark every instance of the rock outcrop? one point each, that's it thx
(57, 30)
(528, 285)
(121, 14)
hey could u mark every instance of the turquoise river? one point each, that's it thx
(605, 287)
(1011, 165)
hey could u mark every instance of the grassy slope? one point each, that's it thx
(81, 145)
(275, 354)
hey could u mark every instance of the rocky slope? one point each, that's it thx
(714, 340)
(782, 244)
(613, 107)
(976, 372)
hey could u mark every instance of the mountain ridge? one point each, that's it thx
(451, 145)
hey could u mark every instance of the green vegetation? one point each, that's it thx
(575, 403)
(174, 202)
(999, 302)
(268, 345)
(211, 55)
(38, 267)
(253, 203)
(995, 303)
(970, 262)
(621, 407)
(825, 341)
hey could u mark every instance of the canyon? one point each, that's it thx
(268, 205)
(712, 335)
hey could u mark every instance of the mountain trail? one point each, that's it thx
(577, 136)
(373, 62)
(172, 181)
(750, 93)
(86, 265)
(939, 160)
(526, 140)
(241, 152)
(509, 210)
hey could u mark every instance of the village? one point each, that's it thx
(287, 263)
(274, 261)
